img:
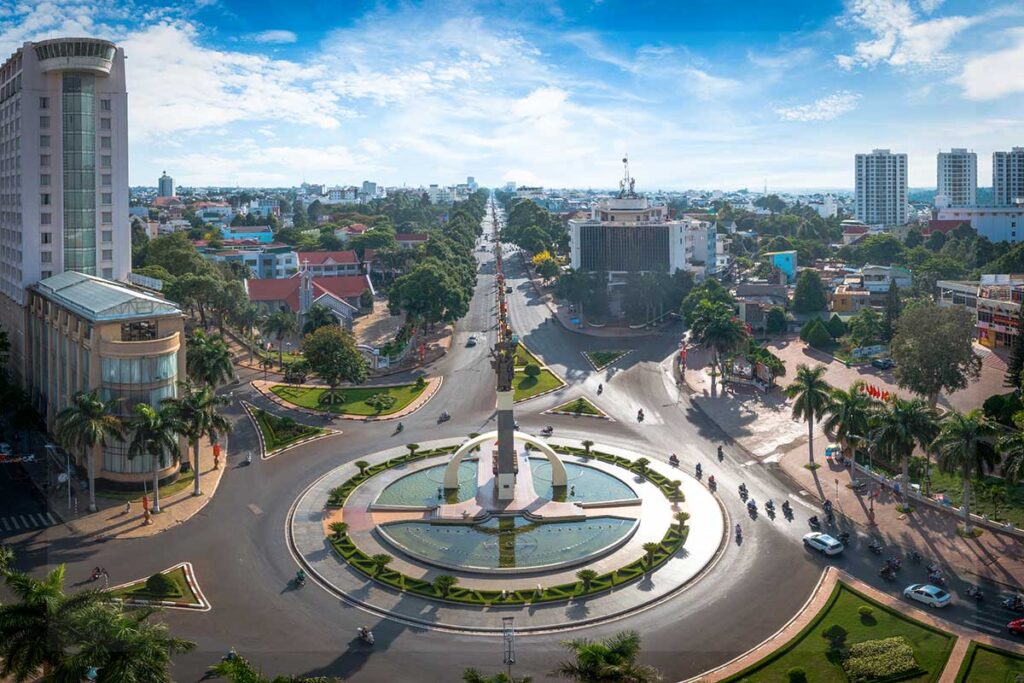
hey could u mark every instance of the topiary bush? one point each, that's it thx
(865, 611)
(796, 675)
(532, 370)
(161, 584)
(818, 335)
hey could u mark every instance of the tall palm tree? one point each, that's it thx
(195, 412)
(965, 445)
(154, 433)
(37, 629)
(88, 421)
(607, 661)
(316, 317)
(810, 394)
(848, 415)
(1011, 447)
(280, 325)
(715, 327)
(902, 426)
(248, 318)
(209, 359)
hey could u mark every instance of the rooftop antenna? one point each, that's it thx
(627, 184)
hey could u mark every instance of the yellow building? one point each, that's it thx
(85, 332)
(847, 299)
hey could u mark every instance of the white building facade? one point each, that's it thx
(63, 170)
(997, 223)
(881, 188)
(956, 178)
(1008, 177)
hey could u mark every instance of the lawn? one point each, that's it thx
(983, 489)
(279, 432)
(579, 406)
(183, 482)
(810, 650)
(180, 593)
(524, 357)
(354, 398)
(984, 663)
(528, 387)
(602, 359)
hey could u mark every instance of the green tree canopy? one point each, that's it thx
(809, 296)
(332, 354)
(933, 349)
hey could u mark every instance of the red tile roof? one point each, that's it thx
(319, 258)
(287, 289)
(942, 225)
(341, 286)
(855, 229)
(357, 228)
(412, 237)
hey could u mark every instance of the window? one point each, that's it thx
(105, 124)
(44, 199)
(105, 179)
(44, 140)
(105, 142)
(44, 159)
(44, 102)
(44, 121)
(47, 273)
(46, 237)
(45, 219)
(44, 179)
(46, 256)
(104, 105)
(106, 198)
(108, 236)
(108, 217)
(108, 273)
(105, 161)
(108, 254)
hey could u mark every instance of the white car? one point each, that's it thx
(928, 594)
(823, 543)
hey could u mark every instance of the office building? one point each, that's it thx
(995, 299)
(63, 171)
(997, 223)
(957, 178)
(165, 186)
(881, 188)
(1008, 177)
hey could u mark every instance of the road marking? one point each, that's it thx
(53, 522)
(42, 520)
(255, 509)
(15, 523)
(749, 463)
(7, 527)
(25, 521)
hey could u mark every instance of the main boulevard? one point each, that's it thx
(238, 548)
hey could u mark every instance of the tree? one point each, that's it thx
(681, 518)
(964, 445)
(810, 394)
(809, 296)
(914, 239)
(338, 529)
(532, 370)
(649, 549)
(882, 249)
(366, 299)
(473, 676)
(208, 359)
(606, 661)
(195, 413)
(317, 316)
(587, 445)
(1011, 447)
(710, 290)
(714, 326)
(867, 327)
(1015, 363)
(88, 421)
(430, 293)
(933, 349)
(154, 433)
(836, 326)
(281, 324)
(380, 402)
(775, 320)
(902, 426)
(332, 354)
(641, 465)
(586, 577)
(444, 583)
(362, 465)
(237, 669)
(848, 415)
(816, 334)
(892, 310)
(380, 561)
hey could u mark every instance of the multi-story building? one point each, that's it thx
(957, 178)
(165, 186)
(84, 333)
(997, 223)
(272, 261)
(881, 188)
(63, 171)
(1008, 177)
(628, 234)
(261, 234)
(996, 301)
(329, 263)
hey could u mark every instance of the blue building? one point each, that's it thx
(261, 234)
(785, 261)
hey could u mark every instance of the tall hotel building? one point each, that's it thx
(1008, 177)
(957, 178)
(881, 188)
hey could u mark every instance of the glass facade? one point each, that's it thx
(79, 173)
(132, 381)
(624, 248)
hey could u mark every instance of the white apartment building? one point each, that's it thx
(957, 178)
(63, 170)
(1008, 177)
(881, 188)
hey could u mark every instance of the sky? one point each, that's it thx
(701, 94)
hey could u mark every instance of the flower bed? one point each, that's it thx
(279, 432)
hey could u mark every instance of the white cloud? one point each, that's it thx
(707, 87)
(276, 36)
(899, 36)
(996, 74)
(824, 109)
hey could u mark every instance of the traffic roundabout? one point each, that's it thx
(592, 535)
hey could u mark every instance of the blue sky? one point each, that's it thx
(700, 94)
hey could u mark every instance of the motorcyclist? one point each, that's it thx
(600, 388)
(401, 426)
(673, 460)
(739, 530)
(445, 415)
(699, 470)
(711, 481)
(720, 453)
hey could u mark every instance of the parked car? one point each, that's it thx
(823, 543)
(471, 341)
(1016, 626)
(883, 363)
(928, 594)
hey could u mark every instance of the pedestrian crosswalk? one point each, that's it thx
(26, 521)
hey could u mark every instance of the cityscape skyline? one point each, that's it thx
(550, 94)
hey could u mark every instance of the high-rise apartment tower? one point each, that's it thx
(881, 188)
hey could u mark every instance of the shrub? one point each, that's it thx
(865, 611)
(380, 402)
(161, 584)
(1002, 407)
(421, 382)
(796, 675)
(532, 370)
(818, 335)
(836, 326)
(879, 659)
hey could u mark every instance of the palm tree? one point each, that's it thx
(1011, 447)
(587, 445)
(641, 464)
(154, 433)
(6, 559)
(248, 318)
(650, 548)
(209, 359)
(444, 583)
(606, 661)
(280, 325)
(237, 669)
(88, 421)
(380, 561)
(586, 577)
(810, 394)
(195, 413)
(38, 629)
(316, 317)
(903, 425)
(848, 415)
(473, 676)
(964, 444)
(681, 517)
(338, 529)
(715, 327)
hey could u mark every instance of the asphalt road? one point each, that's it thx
(237, 546)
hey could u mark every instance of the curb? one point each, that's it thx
(599, 369)
(569, 413)
(264, 455)
(193, 584)
(543, 366)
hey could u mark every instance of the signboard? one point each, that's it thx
(865, 351)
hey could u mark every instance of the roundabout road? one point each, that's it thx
(237, 547)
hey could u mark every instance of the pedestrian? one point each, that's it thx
(127, 507)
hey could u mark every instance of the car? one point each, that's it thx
(928, 594)
(823, 543)
(1016, 626)
(883, 363)
(471, 341)
(5, 448)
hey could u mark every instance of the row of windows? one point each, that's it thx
(44, 103)
(146, 370)
(106, 161)
(107, 236)
(44, 140)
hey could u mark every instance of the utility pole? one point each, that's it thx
(508, 633)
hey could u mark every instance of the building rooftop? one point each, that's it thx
(326, 258)
(100, 300)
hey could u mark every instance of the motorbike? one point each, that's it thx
(640, 415)
(814, 522)
(751, 505)
(720, 455)
(875, 547)
(673, 460)
(699, 471)
(444, 417)
(248, 458)
(365, 634)
(895, 563)
(600, 389)
(739, 532)
(743, 491)
(1014, 602)
(936, 580)
(400, 427)
(887, 572)
(300, 579)
(915, 556)
(547, 431)
(975, 592)
(844, 537)
(711, 482)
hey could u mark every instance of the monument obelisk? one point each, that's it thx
(503, 361)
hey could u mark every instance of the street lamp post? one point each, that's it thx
(508, 632)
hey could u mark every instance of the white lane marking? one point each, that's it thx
(15, 523)
(25, 521)
(7, 527)
(53, 522)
